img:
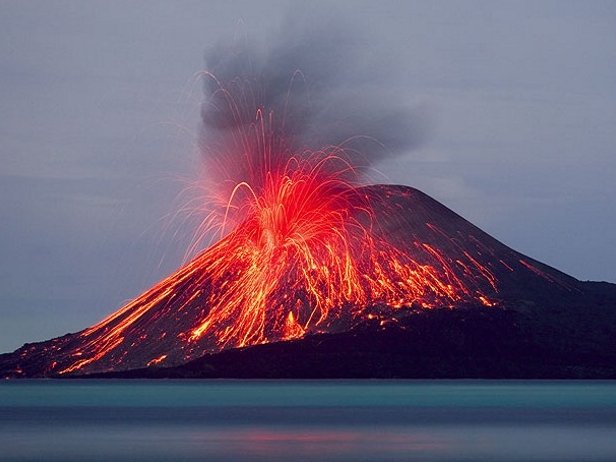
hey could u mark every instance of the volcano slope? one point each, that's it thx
(430, 295)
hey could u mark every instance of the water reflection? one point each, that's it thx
(330, 443)
(477, 443)
(332, 421)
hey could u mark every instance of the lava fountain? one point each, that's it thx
(301, 252)
(303, 245)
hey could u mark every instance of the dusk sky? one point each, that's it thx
(99, 123)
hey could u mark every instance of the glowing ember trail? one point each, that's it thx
(302, 245)
(302, 252)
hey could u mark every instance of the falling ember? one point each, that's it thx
(156, 361)
(302, 252)
(303, 247)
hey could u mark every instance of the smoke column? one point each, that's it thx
(307, 90)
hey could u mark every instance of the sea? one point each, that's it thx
(282, 420)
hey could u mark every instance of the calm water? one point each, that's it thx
(307, 421)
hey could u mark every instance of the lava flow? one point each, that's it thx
(303, 248)
(307, 255)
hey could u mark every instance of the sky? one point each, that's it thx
(99, 123)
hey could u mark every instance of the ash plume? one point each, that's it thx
(320, 86)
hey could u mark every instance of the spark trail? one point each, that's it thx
(301, 244)
(302, 252)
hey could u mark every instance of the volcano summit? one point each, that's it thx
(305, 249)
(422, 259)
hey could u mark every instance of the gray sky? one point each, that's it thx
(100, 109)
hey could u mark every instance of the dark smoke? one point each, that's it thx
(326, 86)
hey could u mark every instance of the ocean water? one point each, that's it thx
(227, 420)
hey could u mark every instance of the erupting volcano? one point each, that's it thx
(370, 253)
(303, 247)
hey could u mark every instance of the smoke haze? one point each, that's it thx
(323, 84)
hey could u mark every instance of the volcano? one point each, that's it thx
(419, 271)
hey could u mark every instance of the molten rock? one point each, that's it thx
(316, 262)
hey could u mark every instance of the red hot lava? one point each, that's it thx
(303, 251)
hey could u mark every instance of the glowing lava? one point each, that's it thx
(406, 252)
(306, 254)
(303, 248)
